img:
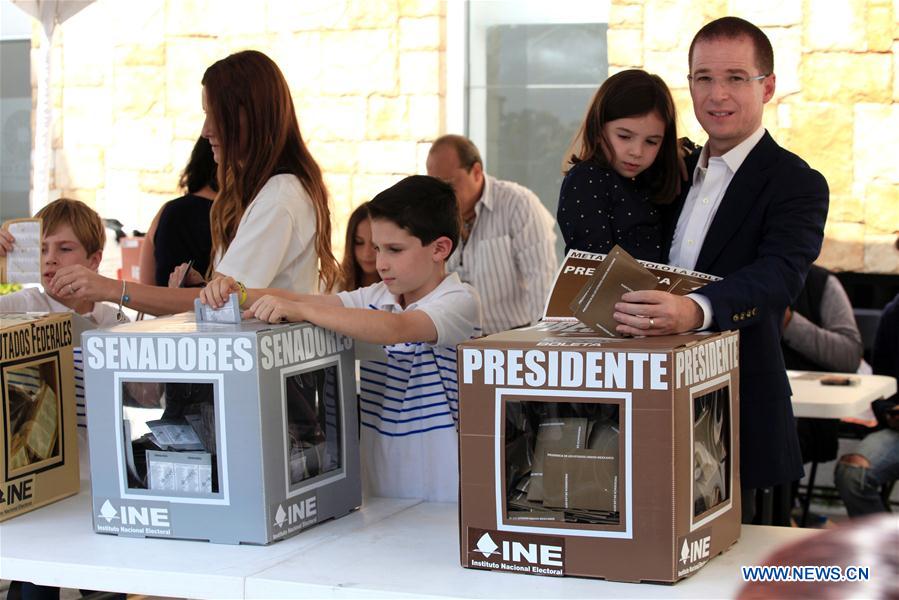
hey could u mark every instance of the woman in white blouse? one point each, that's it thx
(270, 221)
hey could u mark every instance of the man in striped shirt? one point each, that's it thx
(507, 247)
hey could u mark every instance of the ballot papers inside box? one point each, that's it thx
(598, 457)
(229, 432)
(39, 454)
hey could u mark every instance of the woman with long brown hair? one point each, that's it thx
(270, 222)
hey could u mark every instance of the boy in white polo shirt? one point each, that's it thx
(408, 404)
(73, 234)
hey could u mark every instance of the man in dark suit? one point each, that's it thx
(753, 213)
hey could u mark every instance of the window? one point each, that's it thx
(562, 462)
(170, 433)
(532, 69)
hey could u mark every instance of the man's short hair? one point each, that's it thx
(86, 224)
(730, 28)
(465, 149)
(424, 206)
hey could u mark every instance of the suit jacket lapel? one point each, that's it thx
(739, 198)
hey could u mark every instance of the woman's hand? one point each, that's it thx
(77, 282)
(7, 241)
(275, 310)
(216, 292)
(185, 276)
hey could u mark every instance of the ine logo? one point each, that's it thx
(134, 515)
(16, 492)
(296, 513)
(486, 545)
(108, 512)
(696, 550)
(517, 552)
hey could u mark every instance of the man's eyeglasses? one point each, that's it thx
(730, 82)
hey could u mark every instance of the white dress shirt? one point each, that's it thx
(510, 255)
(711, 177)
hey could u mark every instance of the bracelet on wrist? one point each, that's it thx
(242, 294)
(123, 300)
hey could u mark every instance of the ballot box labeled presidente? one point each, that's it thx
(229, 432)
(597, 456)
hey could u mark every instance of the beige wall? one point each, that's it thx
(368, 78)
(837, 100)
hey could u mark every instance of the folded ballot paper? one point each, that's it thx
(603, 279)
(229, 313)
(23, 263)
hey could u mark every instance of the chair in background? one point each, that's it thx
(867, 320)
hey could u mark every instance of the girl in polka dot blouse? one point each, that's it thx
(623, 170)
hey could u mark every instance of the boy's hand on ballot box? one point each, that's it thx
(651, 312)
(273, 309)
(217, 291)
(77, 282)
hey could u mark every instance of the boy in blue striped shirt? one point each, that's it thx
(409, 402)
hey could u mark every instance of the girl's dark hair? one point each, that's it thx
(350, 271)
(424, 206)
(255, 119)
(200, 170)
(632, 93)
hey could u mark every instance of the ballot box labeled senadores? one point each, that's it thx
(232, 433)
(583, 455)
(38, 443)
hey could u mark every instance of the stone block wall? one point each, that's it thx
(836, 105)
(366, 78)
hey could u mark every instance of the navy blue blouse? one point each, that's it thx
(599, 208)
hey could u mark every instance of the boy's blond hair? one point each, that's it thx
(86, 224)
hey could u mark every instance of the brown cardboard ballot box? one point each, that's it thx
(38, 441)
(615, 458)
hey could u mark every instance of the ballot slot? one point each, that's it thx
(562, 463)
(170, 433)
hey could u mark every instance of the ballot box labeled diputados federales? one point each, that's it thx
(38, 442)
(232, 433)
(583, 455)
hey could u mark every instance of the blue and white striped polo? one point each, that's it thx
(409, 404)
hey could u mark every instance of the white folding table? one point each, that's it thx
(814, 400)
(389, 548)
